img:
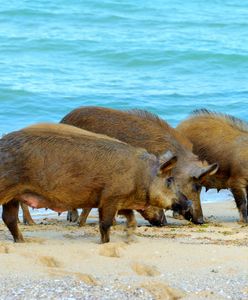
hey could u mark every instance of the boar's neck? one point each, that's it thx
(148, 172)
(221, 179)
(160, 141)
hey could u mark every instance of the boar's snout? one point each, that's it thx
(184, 202)
(183, 206)
(159, 222)
(198, 220)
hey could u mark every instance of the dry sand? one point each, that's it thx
(180, 261)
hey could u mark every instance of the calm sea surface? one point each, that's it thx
(169, 57)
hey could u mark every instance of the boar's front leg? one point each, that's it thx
(83, 217)
(106, 217)
(27, 219)
(131, 221)
(240, 196)
(10, 218)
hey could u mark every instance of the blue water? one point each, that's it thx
(169, 57)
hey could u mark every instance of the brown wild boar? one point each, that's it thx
(62, 167)
(142, 129)
(222, 138)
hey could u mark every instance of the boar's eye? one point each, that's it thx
(169, 181)
(196, 187)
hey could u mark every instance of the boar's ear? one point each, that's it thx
(167, 162)
(208, 171)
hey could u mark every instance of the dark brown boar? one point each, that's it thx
(142, 129)
(62, 167)
(222, 138)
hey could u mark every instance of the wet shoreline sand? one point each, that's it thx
(180, 261)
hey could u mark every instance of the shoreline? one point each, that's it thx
(180, 261)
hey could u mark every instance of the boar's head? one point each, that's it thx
(164, 191)
(189, 174)
(154, 215)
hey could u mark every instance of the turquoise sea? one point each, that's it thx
(169, 57)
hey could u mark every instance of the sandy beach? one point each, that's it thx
(180, 261)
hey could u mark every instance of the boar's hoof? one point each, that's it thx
(105, 240)
(19, 239)
(28, 222)
(243, 220)
(158, 223)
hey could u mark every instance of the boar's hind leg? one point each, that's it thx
(106, 217)
(240, 197)
(10, 218)
(27, 219)
(72, 215)
(131, 221)
(83, 217)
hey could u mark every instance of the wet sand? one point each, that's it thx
(180, 261)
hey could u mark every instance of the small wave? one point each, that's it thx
(13, 92)
(156, 57)
(26, 12)
(226, 58)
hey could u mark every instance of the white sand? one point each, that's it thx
(61, 261)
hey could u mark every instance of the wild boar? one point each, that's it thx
(62, 167)
(221, 138)
(140, 128)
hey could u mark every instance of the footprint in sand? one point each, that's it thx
(161, 291)
(112, 249)
(144, 270)
(50, 262)
(86, 278)
(35, 240)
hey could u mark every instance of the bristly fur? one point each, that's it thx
(231, 120)
(149, 116)
(164, 132)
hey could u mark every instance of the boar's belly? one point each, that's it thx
(37, 201)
